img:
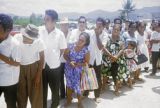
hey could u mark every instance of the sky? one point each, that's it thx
(26, 7)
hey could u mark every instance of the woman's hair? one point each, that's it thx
(132, 23)
(120, 26)
(86, 35)
(132, 43)
(101, 20)
(53, 14)
(6, 22)
(139, 23)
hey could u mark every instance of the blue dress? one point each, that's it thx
(73, 74)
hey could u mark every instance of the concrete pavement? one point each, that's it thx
(144, 94)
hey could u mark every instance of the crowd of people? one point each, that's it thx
(47, 56)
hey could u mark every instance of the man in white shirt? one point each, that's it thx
(64, 26)
(9, 62)
(82, 23)
(155, 41)
(55, 43)
(98, 41)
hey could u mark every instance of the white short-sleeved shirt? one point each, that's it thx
(67, 40)
(126, 37)
(9, 75)
(155, 36)
(30, 52)
(95, 53)
(53, 41)
(75, 35)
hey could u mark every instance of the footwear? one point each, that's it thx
(146, 69)
(116, 93)
(140, 79)
(129, 83)
(98, 100)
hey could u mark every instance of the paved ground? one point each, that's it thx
(144, 94)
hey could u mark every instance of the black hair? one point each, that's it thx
(120, 26)
(101, 20)
(53, 14)
(6, 22)
(117, 21)
(132, 23)
(86, 35)
(141, 22)
(132, 43)
(82, 17)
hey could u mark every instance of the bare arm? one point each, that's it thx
(8, 60)
(40, 68)
(61, 51)
(41, 62)
(65, 55)
(154, 41)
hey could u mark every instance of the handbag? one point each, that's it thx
(88, 79)
(141, 58)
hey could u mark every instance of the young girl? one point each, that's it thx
(31, 65)
(130, 54)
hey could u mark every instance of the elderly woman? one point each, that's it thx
(77, 56)
(117, 69)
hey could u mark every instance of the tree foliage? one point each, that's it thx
(127, 7)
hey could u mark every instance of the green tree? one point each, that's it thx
(128, 7)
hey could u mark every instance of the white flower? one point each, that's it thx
(124, 75)
(112, 46)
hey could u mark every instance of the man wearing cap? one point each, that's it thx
(9, 62)
(64, 26)
(31, 66)
(55, 43)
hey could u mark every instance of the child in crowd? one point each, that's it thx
(130, 54)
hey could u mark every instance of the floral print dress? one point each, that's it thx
(130, 56)
(73, 74)
(114, 48)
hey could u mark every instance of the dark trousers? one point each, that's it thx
(10, 95)
(62, 85)
(155, 56)
(114, 71)
(51, 77)
(98, 75)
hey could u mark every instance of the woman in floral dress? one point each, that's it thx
(117, 69)
(77, 55)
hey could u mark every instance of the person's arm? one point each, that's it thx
(121, 52)
(65, 55)
(153, 38)
(154, 41)
(40, 68)
(61, 51)
(86, 60)
(100, 45)
(8, 60)
(99, 42)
